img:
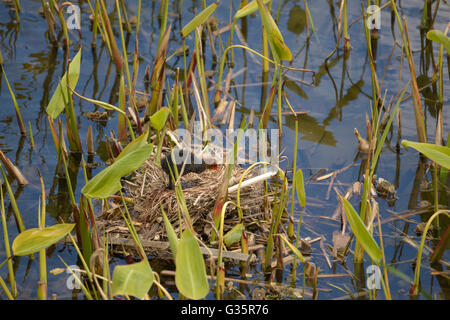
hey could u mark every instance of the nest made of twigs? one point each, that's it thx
(149, 193)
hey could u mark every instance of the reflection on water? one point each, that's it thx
(335, 105)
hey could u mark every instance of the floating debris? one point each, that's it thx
(96, 115)
(142, 101)
(133, 21)
(340, 243)
(385, 189)
(364, 145)
(421, 227)
(258, 294)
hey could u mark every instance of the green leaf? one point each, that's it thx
(173, 239)
(248, 9)
(133, 279)
(137, 143)
(159, 119)
(199, 19)
(60, 97)
(360, 231)
(190, 275)
(300, 187)
(107, 182)
(436, 153)
(82, 228)
(294, 249)
(34, 240)
(276, 42)
(438, 36)
(234, 235)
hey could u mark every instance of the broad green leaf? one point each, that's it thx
(438, 36)
(190, 275)
(173, 239)
(276, 42)
(34, 240)
(436, 153)
(360, 231)
(248, 9)
(300, 187)
(199, 19)
(159, 119)
(293, 248)
(132, 279)
(60, 97)
(234, 235)
(134, 145)
(107, 182)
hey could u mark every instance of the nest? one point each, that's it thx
(149, 193)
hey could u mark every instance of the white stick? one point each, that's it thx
(254, 180)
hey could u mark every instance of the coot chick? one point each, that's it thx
(194, 164)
